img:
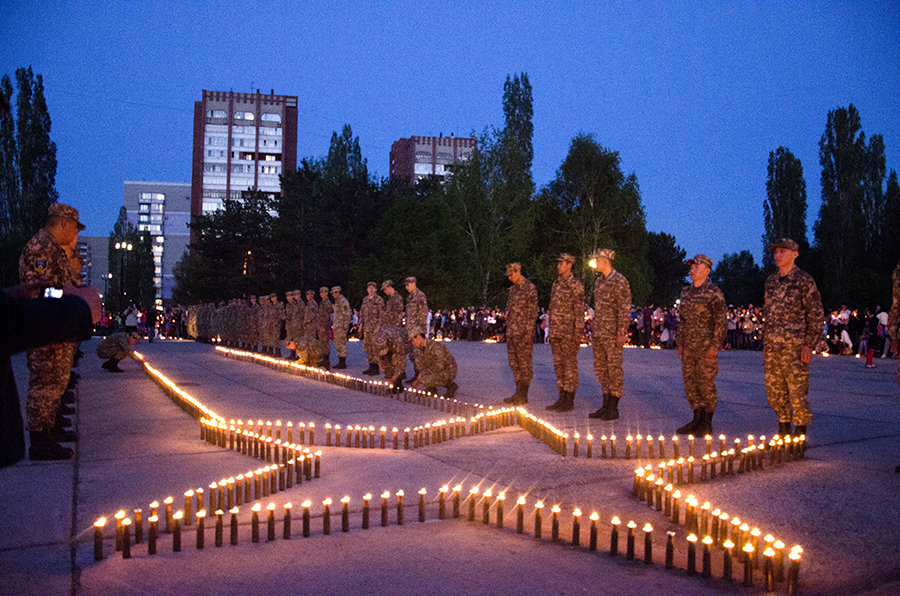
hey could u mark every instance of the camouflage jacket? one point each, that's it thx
(521, 310)
(566, 308)
(702, 315)
(342, 313)
(436, 357)
(44, 260)
(393, 310)
(323, 316)
(310, 316)
(370, 313)
(392, 339)
(793, 309)
(293, 320)
(894, 317)
(416, 313)
(612, 305)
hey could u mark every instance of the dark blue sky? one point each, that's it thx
(694, 97)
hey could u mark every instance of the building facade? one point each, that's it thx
(417, 157)
(163, 209)
(94, 252)
(241, 141)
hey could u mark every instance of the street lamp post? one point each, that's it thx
(124, 248)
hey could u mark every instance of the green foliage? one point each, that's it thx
(784, 210)
(132, 270)
(740, 279)
(667, 263)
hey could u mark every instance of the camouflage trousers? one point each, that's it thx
(49, 369)
(787, 382)
(369, 346)
(340, 340)
(608, 365)
(699, 375)
(392, 363)
(565, 362)
(519, 351)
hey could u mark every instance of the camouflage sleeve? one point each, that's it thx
(578, 306)
(720, 317)
(624, 301)
(531, 299)
(815, 314)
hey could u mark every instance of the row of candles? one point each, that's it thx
(715, 525)
(184, 400)
(451, 501)
(373, 386)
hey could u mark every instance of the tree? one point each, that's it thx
(784, 209)
(516, 156)
(131, 267)
(667, 264)
(591, 204)
(890, 245)
(740, 279)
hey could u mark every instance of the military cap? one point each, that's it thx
(410, 280)
(135, 335)
(564, 256)
(310, 292)
(371, 283)
(513, 268)
(387, 284)
(784, 243)
(65, 211)
(323, 289)
(701, 260)
(335, 288)
(605, 253)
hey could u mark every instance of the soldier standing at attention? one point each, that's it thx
(253, 323)
(566, 329)
(521, 313)
(44, 261)
(416, 317)
(370, 315)
(293, 321)
(342, 314)
(393, 309)
(323, 326)
(701, 335)
(310, 315)
(612, 316)
(437, 367)
(894, 318)
(793, 314)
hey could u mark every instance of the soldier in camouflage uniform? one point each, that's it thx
(393, 308)
(310, 315)
(277, 324)
(894, 318)
(371, 314)
(437, 367)
(44, 261)
(612, 316)
(701, 333)
(293, 321)
(341, 324)
(392, 346)
(566, 329)
(252, 326)
(793, 315)
(416, 318)
(521, 314)
(323, 326)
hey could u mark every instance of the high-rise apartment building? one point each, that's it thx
(417, 157)
(163, 209)
(241, 141)
(94, 252)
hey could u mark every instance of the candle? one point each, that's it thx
(328, 434)
(367, 498)
(472, 492)
(659, 493)
(728, 546)
(590, 445)
(383, 435)
(176, 531)
(219, 527)
(399, 507)
(254, 522)
(603, 446)
(648, 539)
(779, 560)
(676, 507)
(406, 438)
(690, 463)
(668, 506)
(456, 490)
(723, 527)
(793, 578)
(138, 526)
(691, 446)
(520, 515)
(486, 507)
(670, 549)
(345, 514)
(120, 515)
(154, 508)
(126, 538)
(704, 518)
(769, 541)
(612, 446)
(98, 538)
(442, 502)
(769, 569)
(422, 493)
(748, 565)
(628, 441)
(152, 534)
(662, 446)
(637, 488)
(629, 552)
(707, 557)
(736, 531)
(554, 525)
(395, 431)
(575, 447)
(384, 508)
(188, 504)
(270, 522)
(675, 447)
(306, 505)
(201, 526)
(692, 554)
(168, 503)
(592, 540)
(326, 517)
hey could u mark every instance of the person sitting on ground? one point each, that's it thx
(437, 367)
(116, 347)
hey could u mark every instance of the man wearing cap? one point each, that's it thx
(416, 317)
(310, 315)
(323, 326)
(370, 315)
(117, 347)
(342, 314)
(293, 320)
(253, 320)
(392, 345)
(566, 328)
(44, 261)
(521, 314)
(701, 335)
(437, 366)
(793, 314)
(393, 308)
(612, 316)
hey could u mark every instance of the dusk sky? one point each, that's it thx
(692, 96)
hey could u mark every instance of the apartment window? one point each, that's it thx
(144, 208)
(269, 117)
(244, 116)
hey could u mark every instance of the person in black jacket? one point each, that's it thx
(30, 322)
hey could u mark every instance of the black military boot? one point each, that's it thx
(372, 370)
(62, 422)
(554, 407)
(398, 386)
(61, 435)
(523, 390)
(602, 409)
(45, 448)
(691, 427)
(705, 426)
(342, 362)
(451, 390)
(784, 429)
(569, 404)
(68, 398)
(800, 429)
(612, 412)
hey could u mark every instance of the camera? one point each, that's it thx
(52, 292)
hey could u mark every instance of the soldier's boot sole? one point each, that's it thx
(612, 412)
(690, 427)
